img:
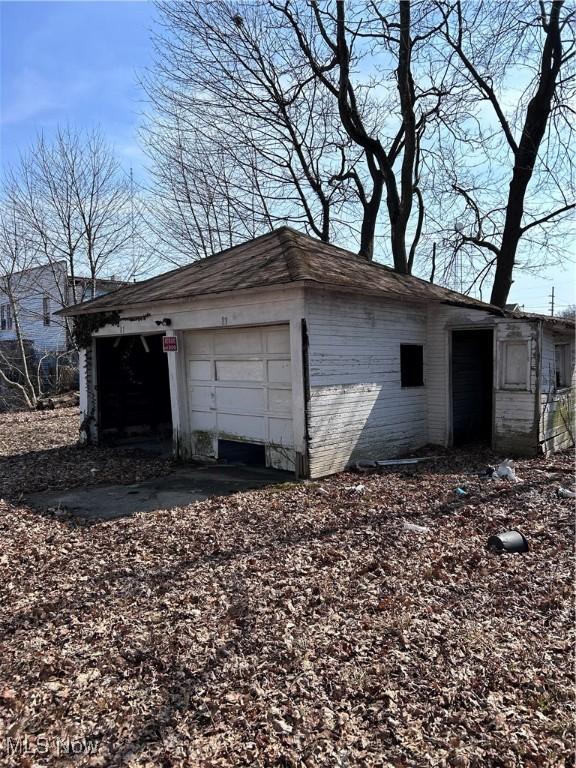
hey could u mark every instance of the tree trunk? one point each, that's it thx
(535, 125)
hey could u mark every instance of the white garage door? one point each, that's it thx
(239, 388)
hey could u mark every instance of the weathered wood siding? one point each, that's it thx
(515, 409)
(556, 427)
(441, 321)
(358, 408)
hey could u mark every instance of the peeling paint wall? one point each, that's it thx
(516, 386)
(358, 408)
(556, 428)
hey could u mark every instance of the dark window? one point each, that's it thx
(46, 310)
(3, 317)
(412, 365)
(563, 372)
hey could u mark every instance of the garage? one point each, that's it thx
(239, 395)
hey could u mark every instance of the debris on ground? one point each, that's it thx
(507, 471)
(286, 626)
(416, 528)
(566, 493)
(360, 488)
(509, 541)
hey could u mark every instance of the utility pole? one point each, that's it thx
(552, 302)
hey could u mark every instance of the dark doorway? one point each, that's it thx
(133, 388)
(236, 452)
(472, 367)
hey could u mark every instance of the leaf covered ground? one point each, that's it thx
(301, 625)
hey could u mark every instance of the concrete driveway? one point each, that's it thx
(183, 486)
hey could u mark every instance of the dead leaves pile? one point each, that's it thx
(39, 451)
(303, 626)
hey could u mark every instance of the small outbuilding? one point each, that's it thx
(299, 355)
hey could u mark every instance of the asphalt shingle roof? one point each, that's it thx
(280, 257)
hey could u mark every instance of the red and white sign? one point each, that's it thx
(170, 344)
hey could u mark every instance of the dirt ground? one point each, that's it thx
(298, 625)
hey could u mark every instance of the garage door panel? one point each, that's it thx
(280, 431)
(204, 421)
(239, 387)
(240, 399)
(245, 426)
(199, 344)
(240, 370)
(279, 371)
(200, 397)
(247, 342)
(278, 341)
(200, 370)
(280, 400)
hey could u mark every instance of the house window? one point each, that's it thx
(412, 365)
(562, 357)
(514, 371)
(5, 317)
(46, 310)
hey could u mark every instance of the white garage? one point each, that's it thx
(294, 354)
(239, 394)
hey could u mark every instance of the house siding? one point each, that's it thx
(30, 288)
(357, 407)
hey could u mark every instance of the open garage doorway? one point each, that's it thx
(133, 389)
(472, 385)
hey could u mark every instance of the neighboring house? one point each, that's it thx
(301, 355)
(34, 295)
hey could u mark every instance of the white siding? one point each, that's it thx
(358, 408)
(29, 289)
(515, 405)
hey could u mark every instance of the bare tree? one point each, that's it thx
(244, 136)
(77, 206)
(510, 181)
(418, 121)
(294, 112)
(17, 364)
(568, 313)
(332, 64)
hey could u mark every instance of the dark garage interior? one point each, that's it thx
(472, 381)
(133, 388)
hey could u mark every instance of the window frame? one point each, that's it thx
(564, 381)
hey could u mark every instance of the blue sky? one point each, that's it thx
(78, 62)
